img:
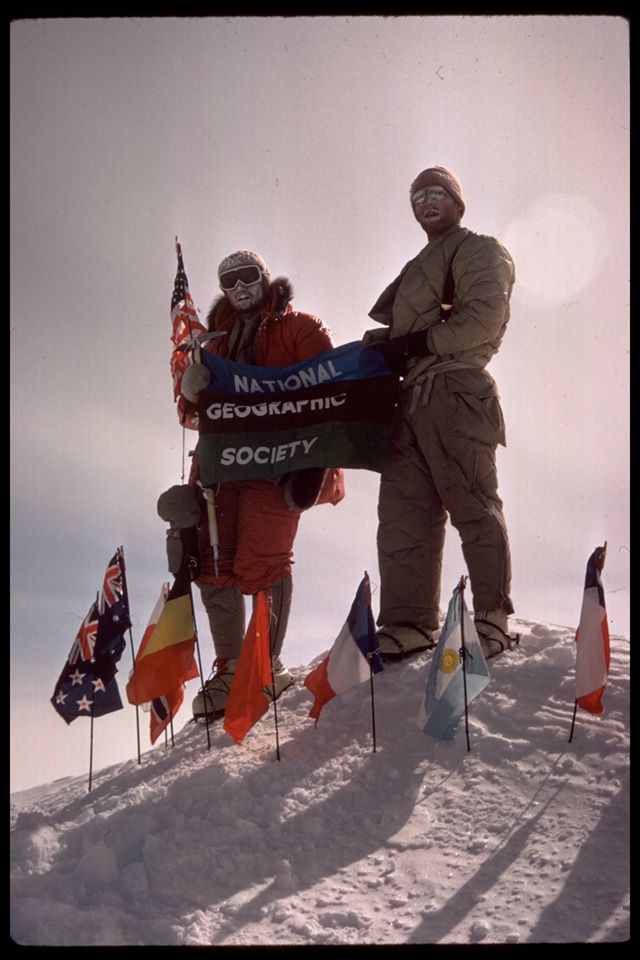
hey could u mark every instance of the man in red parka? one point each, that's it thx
(257, 519)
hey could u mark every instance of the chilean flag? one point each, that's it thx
(353, 657)
(592, 638)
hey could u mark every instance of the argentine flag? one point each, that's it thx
(354, 656)
(443, 704)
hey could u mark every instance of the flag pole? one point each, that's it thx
(373, 709)
(599, 566)
(463, 655)
(370, 655)
(208, 493)
(273, 675)
(184, 429)
(573, 719)
(133, 656)
(275, 705)
(197, 642)
(91, 730)
(90, 750)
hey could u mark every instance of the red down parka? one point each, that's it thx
(256, 527)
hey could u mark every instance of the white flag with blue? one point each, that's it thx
(444, 701)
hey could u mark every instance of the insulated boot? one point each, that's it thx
(282, 677)
(212, 698)
(492, 628)
(402, 640)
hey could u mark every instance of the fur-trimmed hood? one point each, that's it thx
(278, 297)
(284, 335)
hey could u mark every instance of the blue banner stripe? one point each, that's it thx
(352, 361)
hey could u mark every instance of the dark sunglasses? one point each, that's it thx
(246, 275)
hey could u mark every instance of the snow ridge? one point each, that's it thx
(524, 839)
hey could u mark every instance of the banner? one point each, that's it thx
(333, 410)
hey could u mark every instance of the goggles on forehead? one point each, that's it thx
(246, 275)
(429, 193)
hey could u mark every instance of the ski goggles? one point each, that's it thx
(428, 193)
(245, 275)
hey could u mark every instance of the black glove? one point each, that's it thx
(399, 350)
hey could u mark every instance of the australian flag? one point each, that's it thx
(87, 686)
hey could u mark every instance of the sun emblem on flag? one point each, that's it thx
(449, 661)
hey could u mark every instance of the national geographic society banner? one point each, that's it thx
(334, 410)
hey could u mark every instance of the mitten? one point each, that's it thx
(194, 380)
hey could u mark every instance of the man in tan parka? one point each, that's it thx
(445, 317)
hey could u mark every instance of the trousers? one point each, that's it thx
(442, 462)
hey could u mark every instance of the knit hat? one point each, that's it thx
(440, 177)
(242, 258)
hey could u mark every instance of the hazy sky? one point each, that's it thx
(298, 138)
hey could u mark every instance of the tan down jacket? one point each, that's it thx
(483, 274)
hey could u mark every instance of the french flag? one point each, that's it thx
(353, 658)
(592, 638)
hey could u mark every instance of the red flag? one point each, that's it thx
(592, 638)
(165, 659)
(247, 701)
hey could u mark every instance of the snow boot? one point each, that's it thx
(402, 640)
(212, 698)
(492, 628)
(282, 679)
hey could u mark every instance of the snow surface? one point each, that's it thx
(522, 839)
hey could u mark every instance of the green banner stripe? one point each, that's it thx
(253, 456)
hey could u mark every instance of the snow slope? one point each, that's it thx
(524, 839)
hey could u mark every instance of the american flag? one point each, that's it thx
(184, 327)
(87, 685)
